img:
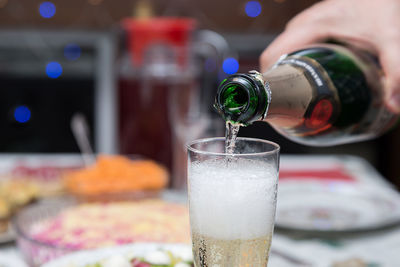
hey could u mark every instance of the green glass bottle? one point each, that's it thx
(322, 95)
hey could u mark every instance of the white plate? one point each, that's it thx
(84, 257)
(336, 206)
(10, 257)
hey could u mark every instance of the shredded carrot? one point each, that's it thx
(115, 174)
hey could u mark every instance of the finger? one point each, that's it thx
(308, 27)
(390, 60)
(296, 37)
(329, 19)
(290, 40)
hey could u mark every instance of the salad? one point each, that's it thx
(157, 258)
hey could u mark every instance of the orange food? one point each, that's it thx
(116, 174)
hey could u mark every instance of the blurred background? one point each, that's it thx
(139, 88)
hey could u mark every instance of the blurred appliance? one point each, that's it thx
(46, 77)
(167, 75)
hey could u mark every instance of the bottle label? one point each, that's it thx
(324, 90)
(382, 120)
(314, 72)
(305, 65)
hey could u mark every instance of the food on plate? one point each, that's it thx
(94, 225)
(4, 208)
(13, 196)
(48, 178)
(354, 262)
(18, 193)
(4, 215)
(116, 174)
(157, 258)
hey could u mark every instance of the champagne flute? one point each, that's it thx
(232, 201)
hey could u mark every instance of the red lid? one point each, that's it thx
(144, 32)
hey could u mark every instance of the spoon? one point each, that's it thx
(80, 130)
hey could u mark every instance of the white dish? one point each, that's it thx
(7, 236)
(81, 258)
(336, 206)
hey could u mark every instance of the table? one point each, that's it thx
(376, 248)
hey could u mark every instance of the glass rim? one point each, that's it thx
(189, 146)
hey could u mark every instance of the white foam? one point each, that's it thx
(232, 200)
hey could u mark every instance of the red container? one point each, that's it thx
(174, 32)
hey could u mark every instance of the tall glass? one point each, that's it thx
(232, 201)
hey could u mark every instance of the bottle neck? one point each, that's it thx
(280, 96)
(242, 98)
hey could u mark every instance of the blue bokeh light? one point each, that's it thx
(72, 51)
(230, 65)
(47, 9)
(210, 65)
(22, 114)
(253, 8)
(53, 70)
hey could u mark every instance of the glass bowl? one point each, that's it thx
(36, 252)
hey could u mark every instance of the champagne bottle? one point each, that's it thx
(322, 95)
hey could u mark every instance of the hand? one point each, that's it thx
(372, 25)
